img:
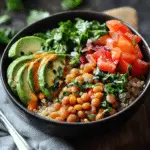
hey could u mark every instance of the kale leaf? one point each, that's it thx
(5, 19)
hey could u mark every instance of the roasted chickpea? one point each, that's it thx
(99, 116)
(85, 97)
(93, 110)
(53, 115)
(88, 77)
(77, 107)
(63, 112)
(41, 96)
(57, 106)
(85, 120)
(111, 98)
(59, 119)
(79, 79)
(81, 114)
(86, 106)
(95, 102)
(71, 110)
(72, 118)
(66, 100)
(98, 89)
(74, 89)
(98, 95)
(88, 68)
(75, 71)
(79, 100)
(72, 99)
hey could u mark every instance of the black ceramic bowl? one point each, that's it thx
(62, 128)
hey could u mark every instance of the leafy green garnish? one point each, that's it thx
(5, 19)
(72, 36)
(114, 83)
(65, 93)
(36, 15)
(70, 4)
(14, 4)
(6, 34)
(91, 116)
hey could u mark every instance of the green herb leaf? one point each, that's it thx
(6, 34)
(65, 93)
(91, 116)
(36, 15)
(14, 4)
(70, 4)
(5, 19)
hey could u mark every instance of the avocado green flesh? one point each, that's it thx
(25, 46)
(46, 75)
(13, 69)
(31, 75)
(23, 89)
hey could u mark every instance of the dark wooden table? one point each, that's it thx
(135, 133)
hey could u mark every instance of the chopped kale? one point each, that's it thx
(5, 19)
(91, 116)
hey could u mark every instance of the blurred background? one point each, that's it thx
(19, 13)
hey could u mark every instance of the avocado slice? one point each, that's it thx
(25, 46)
(23, 89)
(33, 75)
(47, 74)
(13, 69)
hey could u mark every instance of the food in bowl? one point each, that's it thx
(81, 71)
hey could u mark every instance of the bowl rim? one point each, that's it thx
(14, 100)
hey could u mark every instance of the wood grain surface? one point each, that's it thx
(135, 133)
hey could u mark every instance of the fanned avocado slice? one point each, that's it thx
(33, 75)
(25, 46)
(13, 69)
(23, 89)
(47, 74)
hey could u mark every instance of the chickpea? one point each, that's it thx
(98, 89)
(65, 89)
(72, 99)
(85, 97)
(99, 116)
(59, 119)
(81, 72)
(65, 100)
(95, 102)
(113, 111)
(68, 78)
(41, 96)
(53, 115)
(86, 106)
(79, 100)
(85, 120)
(57, 106)
(75, 71)
(98, 95)
(88, 68)
(77, 107)
(79, 79)
(88, 77)
(81, 114)
(74, 89)
(71, 110)
(100, 110)
(72, 118)
(63, 112)
(111, 98)
(93, 110)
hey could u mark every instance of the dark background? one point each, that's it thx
(134, 134)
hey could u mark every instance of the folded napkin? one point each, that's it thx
(34, 137)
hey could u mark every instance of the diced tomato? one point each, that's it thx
(90, 58)
(106, 65)
(115, 53)
(115, 35)
(128, 57)
(102, 40)
(110, 43)
(123, 66)
(116, 25)
(125, 45)
(83, 60)
(132, 37)
(139, 67)
(138, 51)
